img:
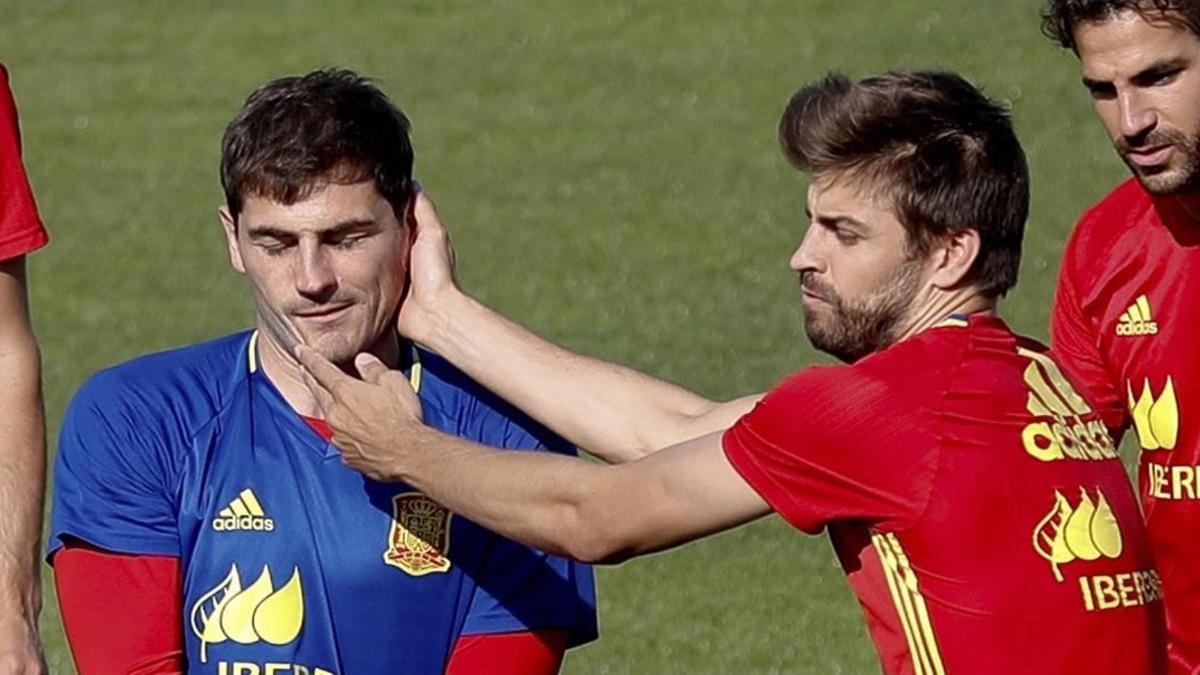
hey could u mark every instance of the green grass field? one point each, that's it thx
(611, 175)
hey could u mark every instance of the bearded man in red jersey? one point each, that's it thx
(972, 495)
(1124, 315)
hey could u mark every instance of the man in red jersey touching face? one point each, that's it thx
(1124, 315)
(972, 495)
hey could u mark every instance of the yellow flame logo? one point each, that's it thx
(1156, 419)
(1086, 532)
(248, 615)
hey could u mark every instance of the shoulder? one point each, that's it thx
(906, 379)
(187, 385)
(1108, 220)
(468, 409)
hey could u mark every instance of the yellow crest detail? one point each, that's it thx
(1085, 532)
(420, 538)
(1156, 419)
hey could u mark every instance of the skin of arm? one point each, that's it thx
(562, 505)
(617, 413)
(22, 475)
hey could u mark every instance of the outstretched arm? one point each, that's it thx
(559, 504)
(22, 475)
(615, 412)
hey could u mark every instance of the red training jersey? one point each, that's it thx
(1126, 323)
(21, 229)
(974, 500)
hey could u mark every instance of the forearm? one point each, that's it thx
(576, 508)
(615, 412)
(535, 498)
(22, 472)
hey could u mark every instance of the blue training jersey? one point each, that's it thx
(293, 563)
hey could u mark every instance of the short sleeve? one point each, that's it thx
(113, 473)
(21, 229)
(833, 444)
(520, 588)
(1075, 344)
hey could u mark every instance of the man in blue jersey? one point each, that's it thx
(203, 523)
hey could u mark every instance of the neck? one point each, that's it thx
(283, 370)
(943, 304)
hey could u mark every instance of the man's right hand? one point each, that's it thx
(432, 284)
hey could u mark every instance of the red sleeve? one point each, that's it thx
(21, 229)
(532, 653)
(831, 444)
(1075, 343)
(122, 613)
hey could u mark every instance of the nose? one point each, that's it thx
(806, 257)
(1137, 118)
(315, 278)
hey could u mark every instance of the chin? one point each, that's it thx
(1168, 181)
(337, 349)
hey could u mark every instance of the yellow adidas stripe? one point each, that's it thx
(248, 497)
(239, 509)
(1143, 304)
(910, 605)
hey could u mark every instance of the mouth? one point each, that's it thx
(1151, 156)
(324, 313)
(812, 299)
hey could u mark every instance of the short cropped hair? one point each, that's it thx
(944, 154)
(1060, 18)
(295, 135)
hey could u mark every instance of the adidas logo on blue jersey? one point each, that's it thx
(243, 513)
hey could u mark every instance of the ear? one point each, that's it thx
(229, 225)
(953, 258)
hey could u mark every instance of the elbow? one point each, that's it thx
(595, 539)
(596, 551)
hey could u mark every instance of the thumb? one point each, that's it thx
(370, 369)
(425, 214)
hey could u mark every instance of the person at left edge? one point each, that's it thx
(22, 429)
(203, 523)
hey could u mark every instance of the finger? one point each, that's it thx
(370, 369)
(426, 214)
(320, 369)
(279, 325)
(410, 215)
(323, 397)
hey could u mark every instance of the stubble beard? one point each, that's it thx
(1169, 181)
(848, 330)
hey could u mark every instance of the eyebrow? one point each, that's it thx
(830, 221)
(1152, 69)
(259, 231)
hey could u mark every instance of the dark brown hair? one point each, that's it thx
(943, 153)
(295, 135)
(1061, 17)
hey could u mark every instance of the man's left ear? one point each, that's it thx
(953, 258)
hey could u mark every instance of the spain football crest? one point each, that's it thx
(420, 536)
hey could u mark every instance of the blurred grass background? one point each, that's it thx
(611, 175)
